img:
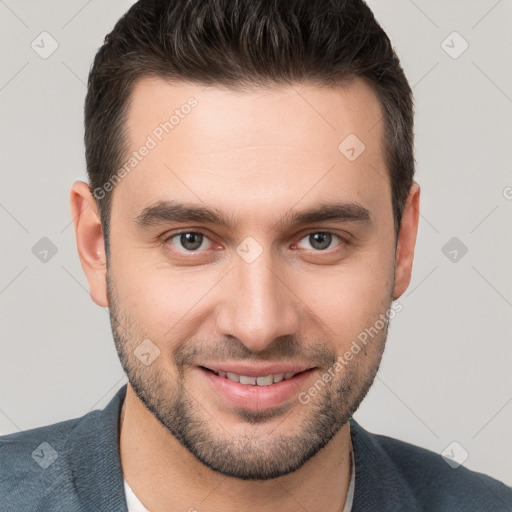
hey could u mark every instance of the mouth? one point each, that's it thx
(258, 380)
(261, 390)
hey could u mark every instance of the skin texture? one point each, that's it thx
(256, 157)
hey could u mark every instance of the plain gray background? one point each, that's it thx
(445, 375)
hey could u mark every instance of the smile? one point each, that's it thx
(264, 380)
(261, 390)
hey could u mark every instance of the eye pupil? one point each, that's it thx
(191, 241)
(321, 239)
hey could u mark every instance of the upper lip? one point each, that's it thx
(253, 370)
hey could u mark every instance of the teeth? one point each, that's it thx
(266, 380)
(263, 381)
(247, 380)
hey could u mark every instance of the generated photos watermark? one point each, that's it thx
(156, 136)
(355, 347)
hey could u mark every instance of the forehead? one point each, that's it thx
(249, 152)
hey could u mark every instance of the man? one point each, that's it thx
(251, 211)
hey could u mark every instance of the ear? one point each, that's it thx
(89, 240)
(406, 241)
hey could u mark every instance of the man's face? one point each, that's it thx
(261, 290)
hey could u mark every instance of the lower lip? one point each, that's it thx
(253, 396)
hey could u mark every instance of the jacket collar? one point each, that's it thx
(379, 485)
(95, 461)
(93, 457)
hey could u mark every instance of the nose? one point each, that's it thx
(260, 304)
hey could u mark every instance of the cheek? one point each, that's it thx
(161, 301)
(170, 303)
(349, 298)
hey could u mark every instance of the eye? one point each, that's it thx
(319, 240)
(188, 240)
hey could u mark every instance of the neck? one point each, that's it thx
(166, 476)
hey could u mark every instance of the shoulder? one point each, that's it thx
(34, 463)
(72, 465)
(438, 486)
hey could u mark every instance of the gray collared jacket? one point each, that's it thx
(74, 466)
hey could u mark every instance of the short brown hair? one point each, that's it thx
(243, 44)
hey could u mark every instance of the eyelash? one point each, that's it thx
(343, 241)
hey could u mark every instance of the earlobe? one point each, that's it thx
(407, 241)
(89, 240)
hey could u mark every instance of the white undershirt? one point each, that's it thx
(135, 505)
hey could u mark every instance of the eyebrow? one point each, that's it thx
(170, 211)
